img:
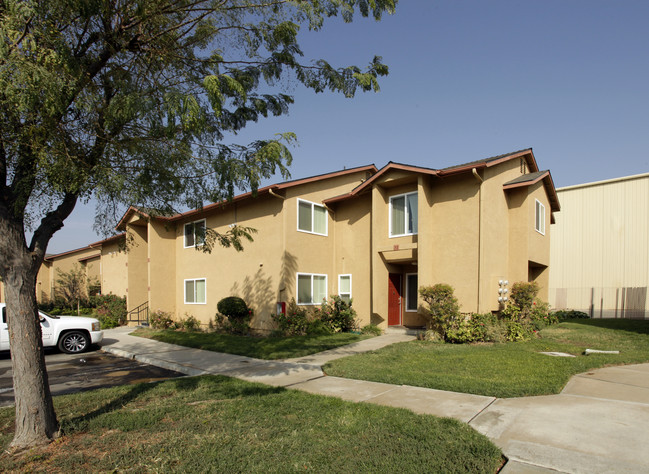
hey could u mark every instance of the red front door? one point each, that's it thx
(394, 299)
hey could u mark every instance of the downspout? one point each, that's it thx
(480, 181)
(274, 194)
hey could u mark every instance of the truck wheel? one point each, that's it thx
(74, 342)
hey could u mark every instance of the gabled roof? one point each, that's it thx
(532, 178)
(92, 246)
(242, 197)
(493, 161)
(465, 167)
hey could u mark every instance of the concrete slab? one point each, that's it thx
(603, 389)
(120, 339)
(347, 389)
(366, 345)
(619, 375)
(569, 433)
(517, 467)
(461, 406)
(275, 373)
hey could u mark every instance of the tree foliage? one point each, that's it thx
(130, 102)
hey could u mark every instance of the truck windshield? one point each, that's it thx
(43, 313)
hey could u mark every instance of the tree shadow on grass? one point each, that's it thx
(224, 387)
(640, 326)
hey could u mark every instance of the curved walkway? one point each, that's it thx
(598, 423)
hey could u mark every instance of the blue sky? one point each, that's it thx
(470, 80)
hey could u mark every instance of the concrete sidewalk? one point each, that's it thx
(597, 424)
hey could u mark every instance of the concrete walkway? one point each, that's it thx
(597, 424)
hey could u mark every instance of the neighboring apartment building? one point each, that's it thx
(104, 263)
(372, 235)
(600, 249)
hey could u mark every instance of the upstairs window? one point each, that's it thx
(345, 287)
(311, 217)
(311, 288)
(539, 221)
(195, 233)
(403, 214)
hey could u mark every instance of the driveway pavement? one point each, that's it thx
(597, 424)
(68, 373)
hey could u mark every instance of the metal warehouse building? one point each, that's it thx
(599, 258)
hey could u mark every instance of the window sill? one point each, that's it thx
(312, 233)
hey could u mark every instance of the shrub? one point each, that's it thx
(233, 307)
(567, 314)
(111, 310)
(430, 335)
(443, 307)
(527, 310)
(515, 331)
(190, 323)
(372, 329)
(460, 331)
(238, 315)
(294, 321)
(161, 320)
(337, 314)
(487, 328)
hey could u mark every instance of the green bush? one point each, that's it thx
(528, 311)
(337, 314)
(111, 310)
(294, 321)
(515, 331)
(190, 323)
(567, 314)
(238, 315)
(430, 335)
(161, 320)
(443, 308)
(372, 329)
(233, 307)
(487, 328)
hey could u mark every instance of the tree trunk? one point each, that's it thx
(36, 422)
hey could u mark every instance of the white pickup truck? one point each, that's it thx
(72, 334)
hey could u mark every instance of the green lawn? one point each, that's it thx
(219, 424)
(257, 347)
(502, 370)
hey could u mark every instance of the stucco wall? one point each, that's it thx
(114, 269)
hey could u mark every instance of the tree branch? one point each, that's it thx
(52, 222)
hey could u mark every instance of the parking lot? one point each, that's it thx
(74, 373)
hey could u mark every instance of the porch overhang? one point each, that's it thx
(399, 253)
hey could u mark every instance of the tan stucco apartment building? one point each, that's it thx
(600, 248)
(371, 235)
(103, 262)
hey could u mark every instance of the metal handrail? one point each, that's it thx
(139, 311)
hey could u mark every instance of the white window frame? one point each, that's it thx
(313, 205)
(539, 217)
(193, 223)
(185, 290)
(405, 215)
(407, 310)
(312, 303)
(340, 293)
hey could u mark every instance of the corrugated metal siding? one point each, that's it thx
(599, 257)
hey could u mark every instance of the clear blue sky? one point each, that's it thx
(470, 80)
